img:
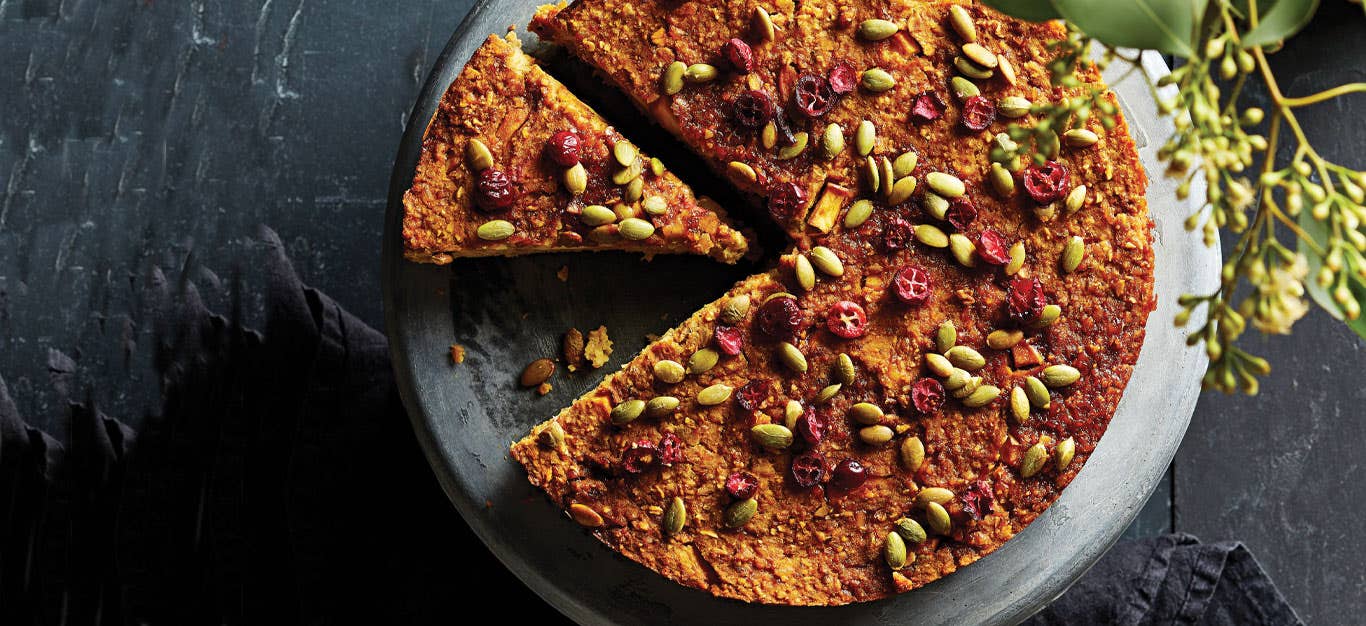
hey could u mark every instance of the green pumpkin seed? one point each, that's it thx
(978, 54)
(702, 361)
(656, 167)
(905, 164)
(661, 406)
(627, 412)
(1037, 392)
(877, 30)
(1075, 199)
(478, 155)
(769, 136)
(968, 388)
(962, 23)
(945, 185)
(886, 176)
(828, 392)
(791, 413)
(937, 495)
(1014, 107)
(1080, 138)
(972, 70)
(1019, 404)
(1007, 69)
(576, 179)
(872, 173)
(931, 235)
(825, 260)
(864, 138)
(945, 337)
(624, 152)
(938, 364)
(627, 174)
(912, 453)
(806, 276)
(858, 213)
(735, 310)
(496, 230)
(964, 251)
(713, 395)
(1050, 314)
(793, 151)
(1034, 459)
(875, 435)
(634, 190)
(902, 190)
(1059, 375)
(655, 205)
(866, 413)
(675, 516)
(1002, 180)
(936, 206)
(606, 233)
(669, 372)
(1072, 254)
(938, 518)
(636, 229)
(894, 551)
(551, 436)
(877, 80)
(1017, 259)
(963, 88)
(832, 141)
(982, 396)
(910, 530)
(1062, 455)
(956, 380)
(778, 294)
(739, 513)
(699, 73)
(844, 369)
(672, 80)
(597, 215)
(742, 171)
(772, 436)
(1004, 339)
(585, 515)
(763, 25)
(792, 357)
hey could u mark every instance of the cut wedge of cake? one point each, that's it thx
(513, 163)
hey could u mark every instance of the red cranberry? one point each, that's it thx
(739, 55)
(847, 319)
(977, 499)
(563, 149)
(728, 339)
(978, 113)
(750, 395)
(742, 485)
(911, 285)
(780, 318)
(496, 191)
(640, 456)
(961, 213)
(786, 136)
(927, 394)
(927, 107)
(808, 469)
(843, 78)
(785, 200)
(1025, 299)
(1046, 183)
(811, 426)
(670, 450)
(848, 476)
(897, 234)
(753, 109)
(991, 246)
(813, 95)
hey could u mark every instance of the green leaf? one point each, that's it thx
(1163, 25)
(1319, 232)
(1280, 20)
(1027, 10)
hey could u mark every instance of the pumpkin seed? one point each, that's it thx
(957, 379)
(1037, 393)
(964, 251)
(1014, 107)
(902, 190)
(972, 70)
(962, 23)
(627, 412)
(866, 413)
(1002, 180)
(875, 435)
(672, 80)
(858, 213)
(873, 173)
(905, 164)
(1034, 459)
(1004, 339)
(806, 277)
(675, 516)
(735, 310)
(910, 530)
(793, 151)
(1019, 404)
(791, 413)
(832, 141)
(792, 357)
(1072, 254)
(713, 395)
(877, 80)
(496, 230)
(877, 30)
(865, 137)
(1059, 375)
(931, 235)
(1075, 199)
(968, 388)
(982, 396)
(936, 206)
(1062, 455)
(769, 136)
(655, 205)
(844, 369)
(939, 364)
(552, 436)
(828, 392)
(1080, 138)
(656, 167)
(536, 372)
(887, 176)
(772, 436)
(478, 155)
(778, 294)
(894, 551)
(661, 406)
(604, 234)
(1017, 259)
(946, 185)
(585, 515)
(634, 190)
(763, 24)
(702, 361)
(669, 372)
(912, 453)
(938, 518)
(576, 179)
(700, 73)
(825, 260)
(1050, 314)
(937, 495)
(743, 170)
(627, 174)
(624, 152)
(945, 337)
(636, 229)
(963, 88)
(1007, 69)
(624, 211)
(978, 54)
(739, 513)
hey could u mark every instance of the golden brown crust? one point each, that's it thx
(505, 100)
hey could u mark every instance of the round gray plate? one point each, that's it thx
(508, 312)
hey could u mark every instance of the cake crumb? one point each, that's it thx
(563, 274)
(598, 348)
(544, 388)
(457, 354)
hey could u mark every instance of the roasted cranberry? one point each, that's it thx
(991, 246)
(670, 450)
(978, 113)
(847, 319)
(911, 285)
(742, 485)
(961, 213)
(1046, 183)
(780, 318)
(977, 499)
(786, 136)
(1025, 299)
(563, 149)
(808, 469)
(739, 55)
(640, 456)
(848, 476)
(753, 109)
(811, 426)
(927, 394)
(750, 395)
(785, 200)
(927, 107)
(728, 339)
(843, 78)
(496, 191)
(813, 95)
(897, 234)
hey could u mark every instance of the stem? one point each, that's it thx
(1327, 94)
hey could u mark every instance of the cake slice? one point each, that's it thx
(512, 163)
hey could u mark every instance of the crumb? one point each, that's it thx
(457, 354)
(651, 337)
(573, 349)
(599, 347)
(563, 274)
(544, 389)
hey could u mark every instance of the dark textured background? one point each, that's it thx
(137, 135)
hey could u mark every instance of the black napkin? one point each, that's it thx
(280, 482)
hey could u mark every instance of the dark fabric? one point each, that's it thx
(280, 482)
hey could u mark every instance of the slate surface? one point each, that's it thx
(138, 134)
